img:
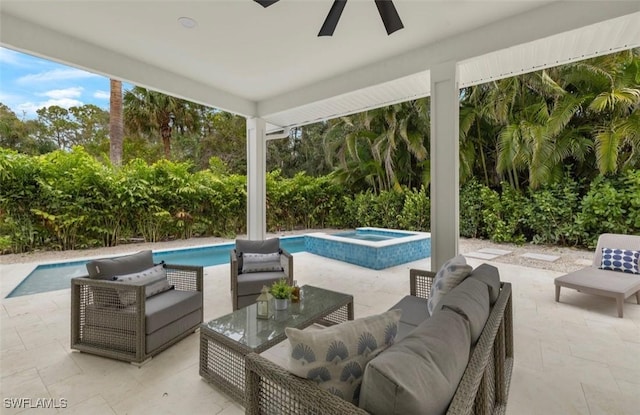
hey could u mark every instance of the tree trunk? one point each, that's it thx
(165, 132)
(116, 128)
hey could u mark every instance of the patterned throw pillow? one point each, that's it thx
(621, 260)
(452, 273)
(335, 357)
(154, 279)
(261, 262)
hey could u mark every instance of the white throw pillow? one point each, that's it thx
(261, 262)
(154, 279)
(336, 356)
(452, 273)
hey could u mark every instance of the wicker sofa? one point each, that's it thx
(483, 387)
(146, 325)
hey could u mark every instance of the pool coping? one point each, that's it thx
(411, 237)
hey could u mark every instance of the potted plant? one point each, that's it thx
(282, 292)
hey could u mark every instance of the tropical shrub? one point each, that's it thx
(68, 200)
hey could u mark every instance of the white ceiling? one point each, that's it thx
(270, 63)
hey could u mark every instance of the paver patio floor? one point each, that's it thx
(573, 357)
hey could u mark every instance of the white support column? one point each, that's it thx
(445, 148)
(256, 180)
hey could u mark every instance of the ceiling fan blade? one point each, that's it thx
(389, 16)
(330, 23)
(266, 3)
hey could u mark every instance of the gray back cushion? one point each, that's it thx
(420, 373)
(490, 276)
(105, 269)
(471, 299)
(268, 246)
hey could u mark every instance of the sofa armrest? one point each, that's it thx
(116, 331)
(286, 260)
(420, 282)
(185, 277)
(272, 389)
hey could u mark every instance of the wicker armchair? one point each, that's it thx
(246, 287)
(483, 389)
(102, 325)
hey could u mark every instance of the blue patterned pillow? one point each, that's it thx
(621, 260)
(335, 357)
(452, 273)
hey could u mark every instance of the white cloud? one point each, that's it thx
(55, 75)
(10, 57)
(73, 92)
(30, 108)
(102, 95)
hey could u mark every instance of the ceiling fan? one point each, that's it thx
(387, 10)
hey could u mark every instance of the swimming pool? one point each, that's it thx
(374, 248)
(51, 277)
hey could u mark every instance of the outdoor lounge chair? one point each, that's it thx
(255, 264)
(609, 283)
(129, 309)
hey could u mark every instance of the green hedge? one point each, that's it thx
(68, 200)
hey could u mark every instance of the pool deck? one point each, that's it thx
(573, 357)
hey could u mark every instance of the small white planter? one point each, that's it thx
(281, 303)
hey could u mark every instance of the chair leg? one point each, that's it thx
(638, 297)
(557, 293)
(619, 303)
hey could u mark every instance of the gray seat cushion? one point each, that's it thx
(247, 300)
(600, 279)
(169, 332)
(420, 373)
(470, 298)
(414, 310)
(490, 276)
(169, 306)
(252, 283)
(105, 269)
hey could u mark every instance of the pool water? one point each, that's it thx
(366, 236)
(51, 277)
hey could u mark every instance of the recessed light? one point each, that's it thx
(187, 22)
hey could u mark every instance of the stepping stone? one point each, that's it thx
(494, 251)
(541, 257)
(481, 255)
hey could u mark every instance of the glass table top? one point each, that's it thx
(244, 327)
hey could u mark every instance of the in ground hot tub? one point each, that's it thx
(374, 248)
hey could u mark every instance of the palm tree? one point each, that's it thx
(148, 112)
(387, 145)
(116, 127)
(615, 104)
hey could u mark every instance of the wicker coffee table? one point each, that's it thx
(225, 341)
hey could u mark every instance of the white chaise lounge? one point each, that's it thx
(594, 280)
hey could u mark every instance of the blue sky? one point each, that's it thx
(28, 83)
